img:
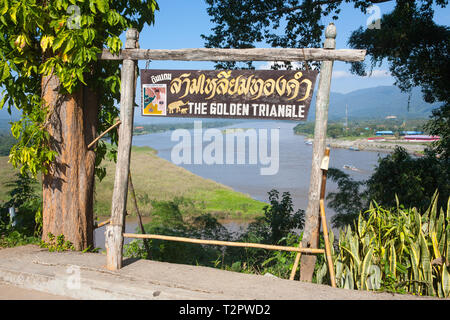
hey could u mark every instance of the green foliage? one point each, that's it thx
(348, 201)
(280, 263)
(439, 125)
(168, 220)
(412, 180)
(57, 243)
(278, 226)
(418, 52)
(279, 217)
(27, 203)
(285, 24)
(398, 250)
(55, 38)
(416, 48)
(28, 220)
(10, 237)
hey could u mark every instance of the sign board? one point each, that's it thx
(236, 94)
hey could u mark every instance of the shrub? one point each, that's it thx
(397, 250)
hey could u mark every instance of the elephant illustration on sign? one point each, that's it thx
(176, 106)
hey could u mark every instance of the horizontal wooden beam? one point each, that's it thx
(223, 243)
(265, 54)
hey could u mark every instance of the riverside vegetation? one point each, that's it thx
(401, 250)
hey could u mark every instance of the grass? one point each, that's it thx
(7, 173)
(158, 179)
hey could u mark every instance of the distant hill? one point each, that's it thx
(15, 114)
(377, 102)
(5, 118)
(372, 103)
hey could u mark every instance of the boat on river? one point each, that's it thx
(350, 167)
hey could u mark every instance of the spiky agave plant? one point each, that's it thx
(398, 249)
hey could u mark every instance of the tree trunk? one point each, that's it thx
(69, 184)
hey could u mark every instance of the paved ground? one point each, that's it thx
(83, 276)
(10, 292)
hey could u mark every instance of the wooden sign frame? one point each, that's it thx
(114, 233)
(227, 94)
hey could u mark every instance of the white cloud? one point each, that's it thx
(338, 74)
(341, 74)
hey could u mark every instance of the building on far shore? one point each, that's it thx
(384, 133)
(421, 137)
(410, 133)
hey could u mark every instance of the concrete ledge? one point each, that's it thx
(83, 276)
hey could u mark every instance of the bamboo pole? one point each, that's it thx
(295, 266)
(327, 244)
(223, 243)
(103, 223)
(103, 133)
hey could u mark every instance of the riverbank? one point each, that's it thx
(378, 146)
(155, 178)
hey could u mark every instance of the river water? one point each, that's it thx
(294, 166)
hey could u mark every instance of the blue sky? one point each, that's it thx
(179, 24)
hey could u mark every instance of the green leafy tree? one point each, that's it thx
(280, 217)
(412, 180)
(418, 52)
(26, 202)
(50, 71)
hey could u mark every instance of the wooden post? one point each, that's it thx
(114, 231)
(312, 226)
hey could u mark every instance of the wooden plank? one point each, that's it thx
(223, 243)
(311, 230)
(113, 234)
(263, 54)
